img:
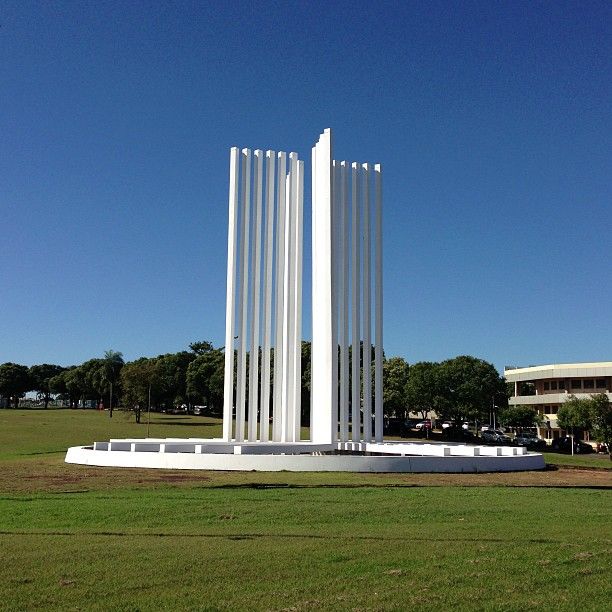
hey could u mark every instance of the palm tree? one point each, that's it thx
(113, 362)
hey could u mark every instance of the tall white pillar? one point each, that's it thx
(323, 406)
(230, 314)
(378, 311)
(244, 294)
(277, 408)
(344, 303)
(355, 299)
(268, 250)
(297, 307)
(255, 297)
(367, 318)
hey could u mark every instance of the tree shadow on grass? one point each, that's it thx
(181, 421)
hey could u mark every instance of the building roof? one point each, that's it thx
(559, 370)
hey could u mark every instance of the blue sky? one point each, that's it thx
(492, 121)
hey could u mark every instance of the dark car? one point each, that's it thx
(494, 436)
(564, 445)
(456, 433)
(530, 441)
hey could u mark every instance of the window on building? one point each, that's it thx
(553, 385)
(589, 383)
(561, 384)
(601, 383)
(546, 386)
(554, 409)
(576, 384)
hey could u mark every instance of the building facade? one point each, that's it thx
(546, 387)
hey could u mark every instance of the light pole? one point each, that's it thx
(149, 412)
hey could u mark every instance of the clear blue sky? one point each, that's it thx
(493, 122)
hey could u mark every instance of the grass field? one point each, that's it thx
(73, 537)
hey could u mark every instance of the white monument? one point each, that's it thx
(264, 297)
(262, 404)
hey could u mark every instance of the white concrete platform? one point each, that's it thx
(217, 454)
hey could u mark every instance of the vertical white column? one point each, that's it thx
(277, 409)
(255, 297)
(297, 310)
(355, 298)
(244, 294)
(288, 350)
(314, 282)
(230, 314)
(343, 323)
(378, 312)
(322, 319)
(335, 272)
(367, 318)
(267, 299)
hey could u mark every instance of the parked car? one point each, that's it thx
(425, 424)
(447, 424)
(495, 436)
(564, 445)
(530, 441)
(455, 433)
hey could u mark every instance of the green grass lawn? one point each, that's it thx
(74, 537)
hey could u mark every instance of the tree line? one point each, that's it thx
(463, 388)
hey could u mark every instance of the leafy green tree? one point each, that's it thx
(395, 387)
(423, 392)
(140, 381)
(202, 347)
(470, 388)
(204, 379)
(600, 410)
(40, 376)
(519, 416)
(14, 381)
(172, 370)
(574, 414)
(58, 385)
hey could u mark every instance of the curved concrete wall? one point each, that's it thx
(303, 463)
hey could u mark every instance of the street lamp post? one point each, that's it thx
(149, 412)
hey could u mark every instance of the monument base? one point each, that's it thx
(217, 454)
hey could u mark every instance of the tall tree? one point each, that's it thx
(14, 381)
(574, 414)
(172, 369)
(59, 385)
(395, 387)
(204, 379)
(41, 376)
(140, 382)
(113, 362)
(471, 387)
(423, 389)
(600, 410)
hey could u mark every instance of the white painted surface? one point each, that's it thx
(323, 406)
(255, 297)
(378, 307)
(230, 315)
(268, 250)
(243, 460)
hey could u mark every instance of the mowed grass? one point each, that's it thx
(74, 537)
